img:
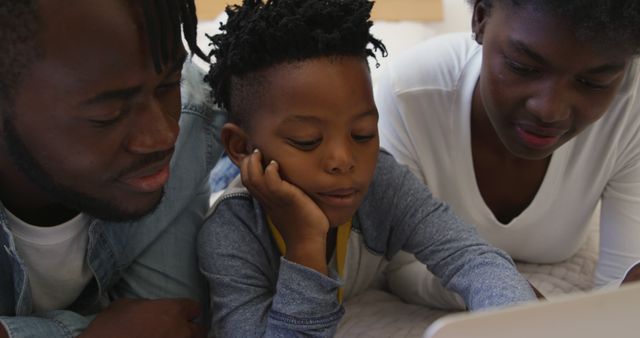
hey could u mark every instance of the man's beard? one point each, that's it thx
(76, 200)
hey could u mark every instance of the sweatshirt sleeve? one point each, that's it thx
(415, 221)
(253, 291)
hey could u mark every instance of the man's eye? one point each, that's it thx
(106, 123)
(519, 68)
(122, 112)
(304, 144)
(169, 85)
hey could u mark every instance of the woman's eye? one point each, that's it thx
(363, 138)
(519, 68)
(593, 85)
(305, 144)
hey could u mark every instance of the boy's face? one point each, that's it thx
(318, 120)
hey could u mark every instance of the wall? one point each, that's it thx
(397, 35)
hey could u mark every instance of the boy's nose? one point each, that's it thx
(340, 159)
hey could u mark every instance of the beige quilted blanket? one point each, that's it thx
(377, 314)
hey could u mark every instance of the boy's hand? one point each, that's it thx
(301, 222)
(171, 318)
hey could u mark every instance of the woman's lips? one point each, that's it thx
(540, 138)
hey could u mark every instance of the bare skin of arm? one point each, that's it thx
(3, 333)
(162, 318)
(302, 224)
(633, 275)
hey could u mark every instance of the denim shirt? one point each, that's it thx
(154, 257)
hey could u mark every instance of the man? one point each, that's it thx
(103, 181)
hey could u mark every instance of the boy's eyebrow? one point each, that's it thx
(314, 119)
(127, 93)
(302, 118)
(373, 112)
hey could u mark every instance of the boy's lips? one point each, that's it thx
(339, 197)
(148, 179)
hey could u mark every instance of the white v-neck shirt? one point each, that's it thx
(55, 260)
(424, 100)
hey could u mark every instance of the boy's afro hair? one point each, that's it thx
(258, 35)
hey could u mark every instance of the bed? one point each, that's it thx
(378, 314)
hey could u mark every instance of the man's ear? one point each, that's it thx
(479, 20)
(236, 142)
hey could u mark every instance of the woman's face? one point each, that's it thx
(540, 86)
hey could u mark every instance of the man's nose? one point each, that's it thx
(156, 129)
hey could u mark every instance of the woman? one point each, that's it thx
(525, 125)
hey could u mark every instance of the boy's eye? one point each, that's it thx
(363, 138)
(304, 144)
(520, 68)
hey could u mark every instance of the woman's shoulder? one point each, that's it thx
(621, 121)
(434, 63)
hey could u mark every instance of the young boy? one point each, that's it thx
(321, 209)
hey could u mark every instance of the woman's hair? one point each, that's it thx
(606, 23)
(259, 35)
(20, 24)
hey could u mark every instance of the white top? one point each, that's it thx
(424, 99)
(55, 260)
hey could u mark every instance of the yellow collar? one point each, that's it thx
(342, 241)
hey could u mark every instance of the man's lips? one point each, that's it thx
(148, 179)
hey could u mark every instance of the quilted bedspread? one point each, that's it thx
(377, 314)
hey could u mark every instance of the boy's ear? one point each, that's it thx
(479, 20)
(236, 142)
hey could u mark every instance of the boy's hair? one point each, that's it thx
(259, 35)
(20, 24)
(606, 23)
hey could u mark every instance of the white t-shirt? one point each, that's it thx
(424, 100)
(55, 260)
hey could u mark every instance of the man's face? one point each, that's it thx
(93, 124)
(318, 120)
(540, 86)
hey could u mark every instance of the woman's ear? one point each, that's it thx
(479, 20)
(236, 142)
